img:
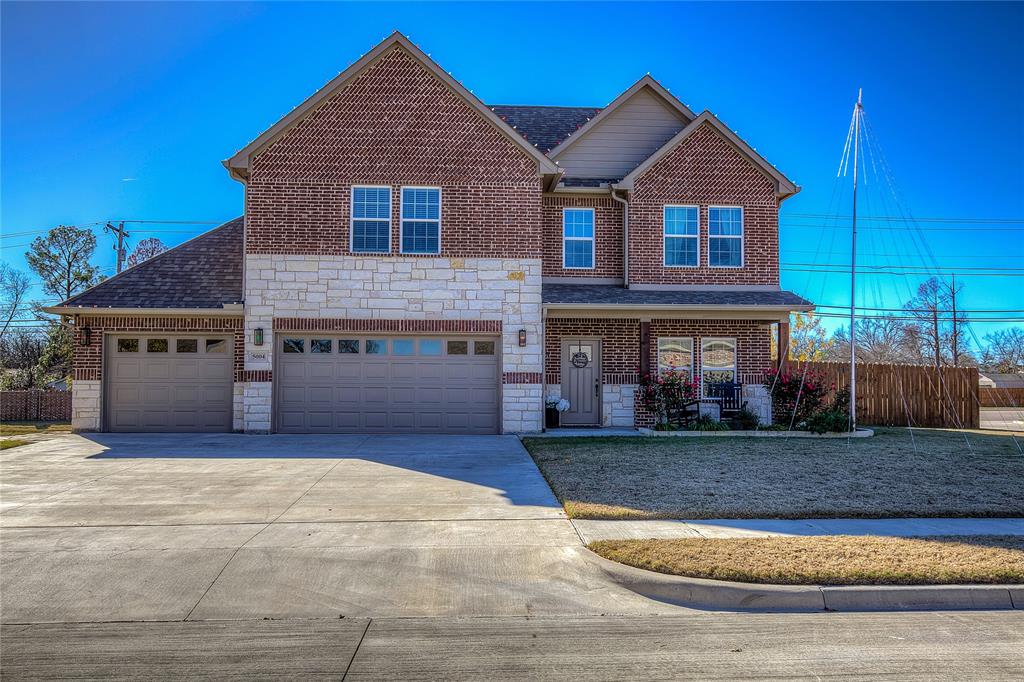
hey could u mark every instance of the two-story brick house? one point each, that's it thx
(413, 260)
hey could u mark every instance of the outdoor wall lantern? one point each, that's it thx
(85, 339)
(522, 337)
(257, 336)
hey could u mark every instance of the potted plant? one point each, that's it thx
(553, 405)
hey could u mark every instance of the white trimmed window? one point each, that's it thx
(681, 226)
(675, 354)
(725, 237)
(578, 238)
(421, 220)
(371, 219)
(717, 361)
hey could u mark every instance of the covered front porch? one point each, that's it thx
(601, 341)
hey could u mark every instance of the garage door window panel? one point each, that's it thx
(320, 346)
(216, 346)
(156, 345)
(294, 345)
(376, 347)
(402, 347)
(186, 346)
(127, 345)
(483, 348)
(430, 347)
(458, 348)
(348, 346)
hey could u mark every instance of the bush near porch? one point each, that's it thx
(935, 473)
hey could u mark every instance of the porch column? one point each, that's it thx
(645, 348)
(782, 346)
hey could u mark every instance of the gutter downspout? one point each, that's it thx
(625, 236)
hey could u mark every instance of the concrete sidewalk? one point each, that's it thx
(591, 530)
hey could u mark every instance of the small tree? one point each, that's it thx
(666, 394)
(145, 250)
(61, 259)
(14, 286)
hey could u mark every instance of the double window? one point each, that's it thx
(421, 220)
(371, 219)
(725, 237)
(578, 238)
(682, 236)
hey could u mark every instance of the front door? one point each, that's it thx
(581, 381)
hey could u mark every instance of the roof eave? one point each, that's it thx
(732, 312)
(226, 310)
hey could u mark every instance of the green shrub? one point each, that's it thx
(707, 423)
(745, 420)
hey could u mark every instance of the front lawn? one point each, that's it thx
(30, 428)
(831, 559)
(702, 478)
(12, 443)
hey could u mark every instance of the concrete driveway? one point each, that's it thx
(172, 527)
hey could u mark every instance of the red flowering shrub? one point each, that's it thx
(796, 396)
(664, 395)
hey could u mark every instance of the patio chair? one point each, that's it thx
(729, 396)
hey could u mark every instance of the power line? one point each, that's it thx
(878, 228)
(906, 310)
(925, 268)
(900, 219)
(788, 268)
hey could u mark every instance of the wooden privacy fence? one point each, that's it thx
(1002, 397)
(895, 395)
(35, 406)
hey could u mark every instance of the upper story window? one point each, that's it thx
(421, 220)
(725, 237)
(682, 236)
(371, 219)
(578, 238)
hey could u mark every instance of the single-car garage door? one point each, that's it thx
(160, 382)
(354, 384)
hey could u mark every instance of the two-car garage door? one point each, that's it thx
(360, 384)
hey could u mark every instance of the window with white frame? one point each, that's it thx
(717, 361)
(578, 238)
(725, 237)
(675, 354)
(371, 219)
(682, 236)
(421, 220)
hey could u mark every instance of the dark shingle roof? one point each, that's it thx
(204, 272)
(603, 294)
(546, 127)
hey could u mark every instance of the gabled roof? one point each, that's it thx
(238, 165)
(784, 186)
(645, 82)
(545, 126)
(204, 272)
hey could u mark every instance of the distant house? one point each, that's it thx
(1001, 380)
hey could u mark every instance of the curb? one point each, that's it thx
(721, 594)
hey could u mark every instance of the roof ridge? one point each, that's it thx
(546, 106)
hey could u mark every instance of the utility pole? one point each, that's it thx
(857, 113)
(121, 236)
(956, 349)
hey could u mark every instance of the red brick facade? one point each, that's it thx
(307, 324)
(704, 170)
(88, 360)
(395, 124)
(620, 346)
(607, 235)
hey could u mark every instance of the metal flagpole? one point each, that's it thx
(853, 268)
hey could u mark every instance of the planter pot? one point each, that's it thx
(550, 418)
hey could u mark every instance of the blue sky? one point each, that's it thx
(125, 110)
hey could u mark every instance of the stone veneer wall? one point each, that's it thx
(406, 288)
(86, 401)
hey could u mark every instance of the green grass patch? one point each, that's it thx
(12, 443)
(28, 428)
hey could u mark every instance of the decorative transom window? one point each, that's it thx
(675, 354)
(725, 237)
(578, 238)
(717, 361)
(421, 220)
(682, 236)
(371, 219)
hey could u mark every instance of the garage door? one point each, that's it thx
(352, 384)
(169, 383)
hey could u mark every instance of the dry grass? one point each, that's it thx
(699, 478)
(27, 428)
(9, 443)
(830, 560)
